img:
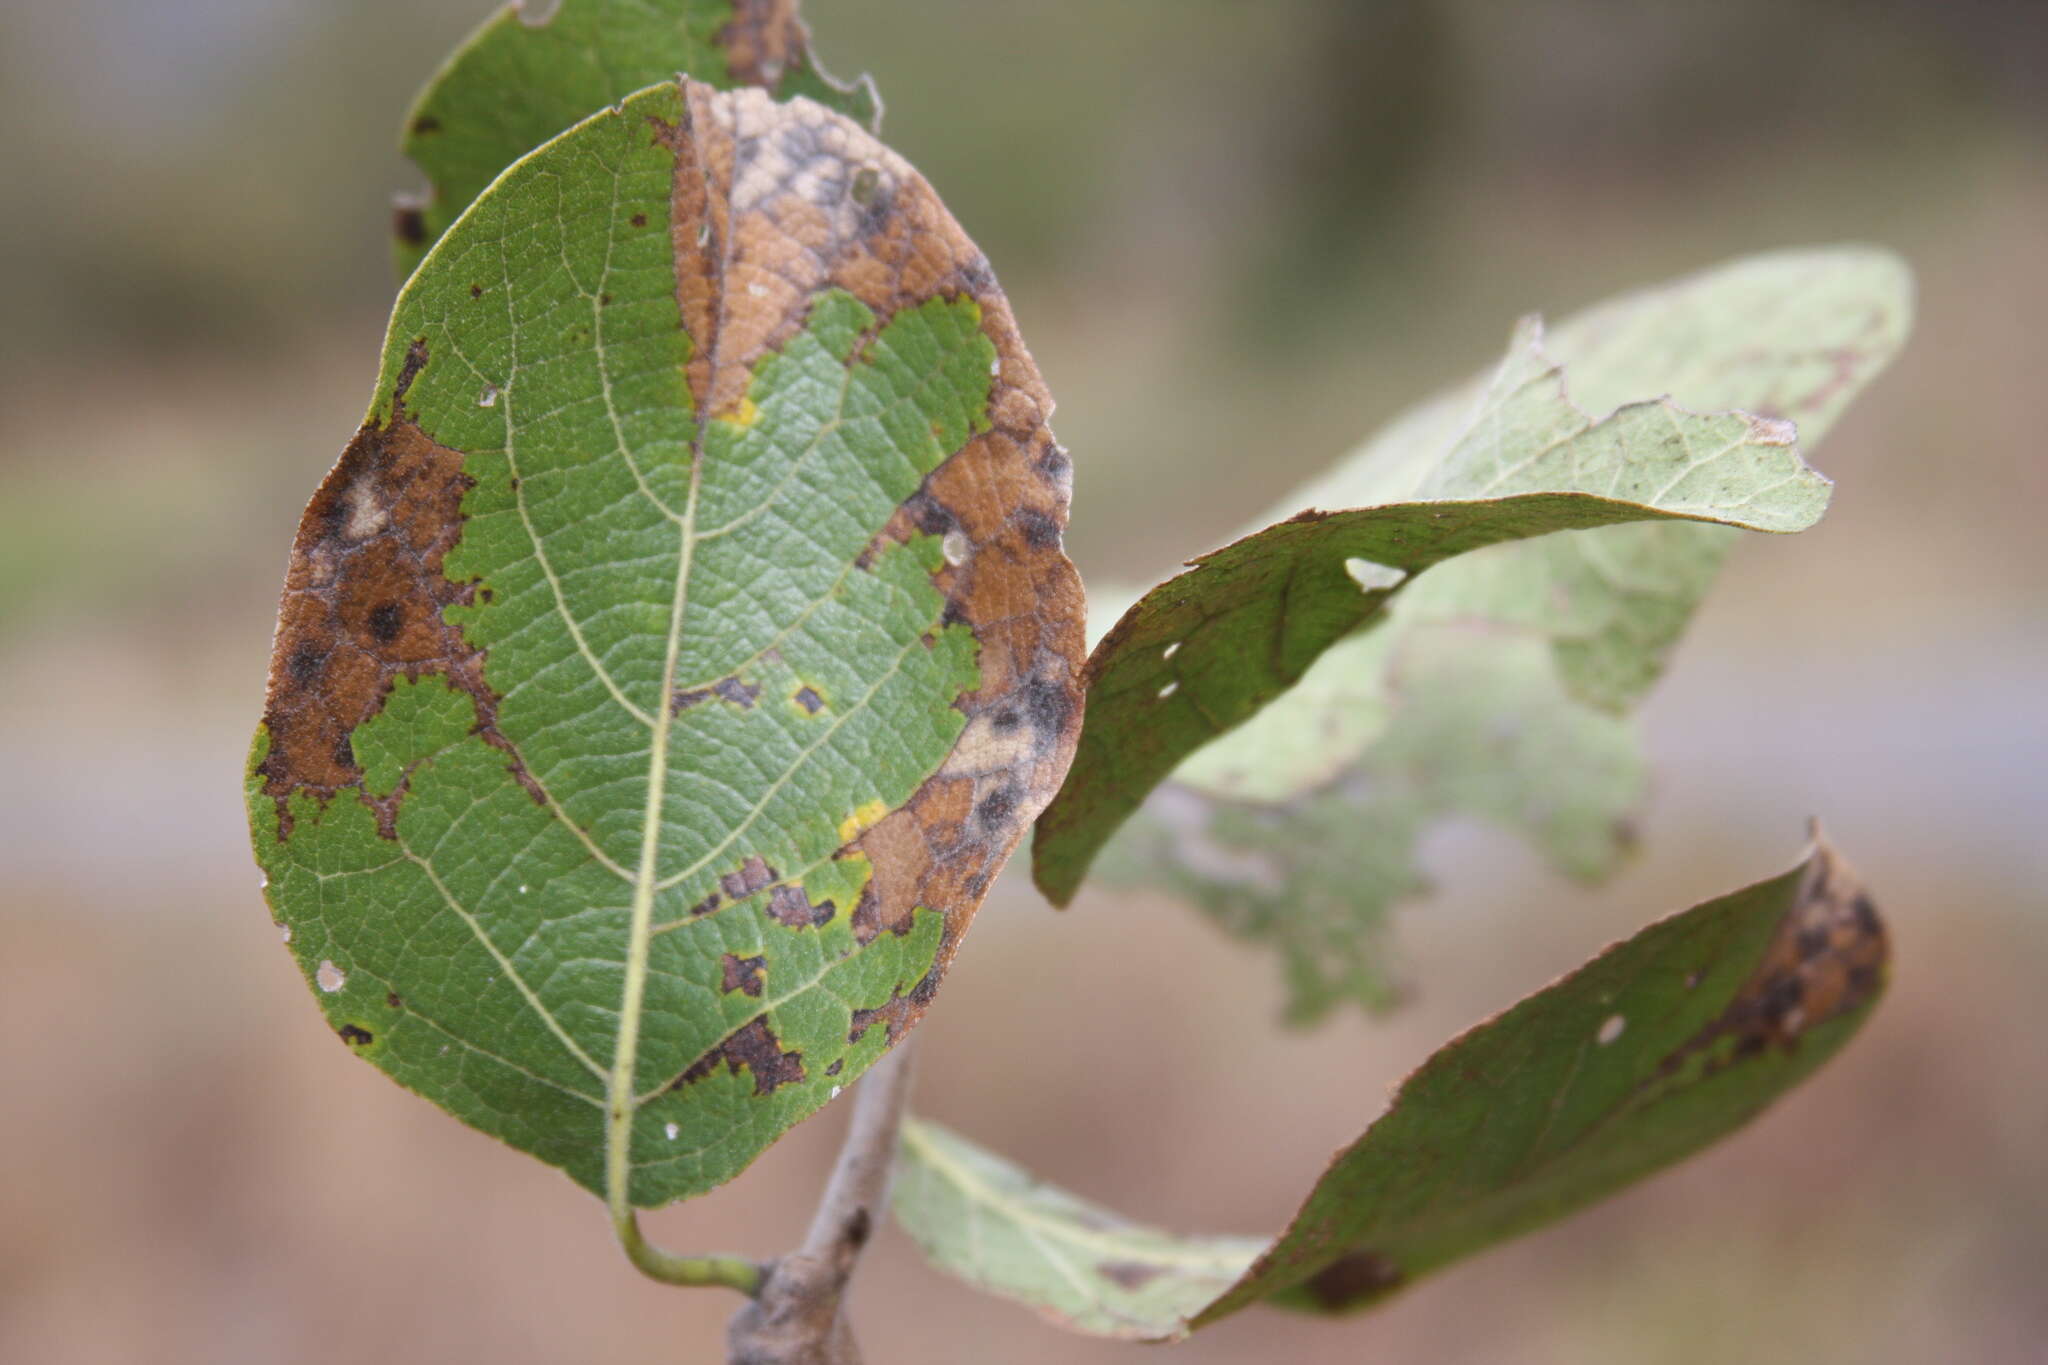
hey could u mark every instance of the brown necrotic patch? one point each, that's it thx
(734, 691)
(363, 605)
(791, 908)
(763, 41)
(754, 874)
(1356, 1277)
(753, 1048)
(1827, 958)
(771, 205)
(742, 974)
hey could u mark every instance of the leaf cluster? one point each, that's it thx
(684, 641)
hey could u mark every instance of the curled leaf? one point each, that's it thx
(1201, 653)
(1496, 685)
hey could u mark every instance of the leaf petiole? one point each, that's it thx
(730, 1272)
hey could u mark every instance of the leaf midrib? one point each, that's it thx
(621, 1104)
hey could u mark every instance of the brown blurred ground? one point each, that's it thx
(1237, 236)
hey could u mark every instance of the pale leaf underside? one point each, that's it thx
(1202, 653)
(1496, 685)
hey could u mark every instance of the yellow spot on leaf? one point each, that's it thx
(863, 818)
(745, 415)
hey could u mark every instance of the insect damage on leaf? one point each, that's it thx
(654, 722)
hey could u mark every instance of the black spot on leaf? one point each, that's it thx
(740, 694)
(994, 808)
(386, 620)
(1040, 531)
(409, 224)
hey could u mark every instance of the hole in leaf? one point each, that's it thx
(1374, 577)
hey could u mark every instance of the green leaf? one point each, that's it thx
(1201, 653)
(677, 651)
(1494, 685)
(1655, 1049)
(518, 81)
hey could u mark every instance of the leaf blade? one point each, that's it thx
(1539, 1111)
(624, 442)
(1561, 635)
(514, 83)
(1202, 653)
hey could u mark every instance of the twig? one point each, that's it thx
(797, 1318)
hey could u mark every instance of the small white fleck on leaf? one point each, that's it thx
(1374, 577)
(489, 397)
(1611, 1029)
(954, 547)
(329, 977)
(1169, 689)
(674, 1131)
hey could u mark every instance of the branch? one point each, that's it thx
(797, 1318)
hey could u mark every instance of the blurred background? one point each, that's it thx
(1237, 236)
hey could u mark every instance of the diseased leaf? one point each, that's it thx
(1655, 1049)
(519, 80)
(678, 650)
(1517, 660)
(1202, 652)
